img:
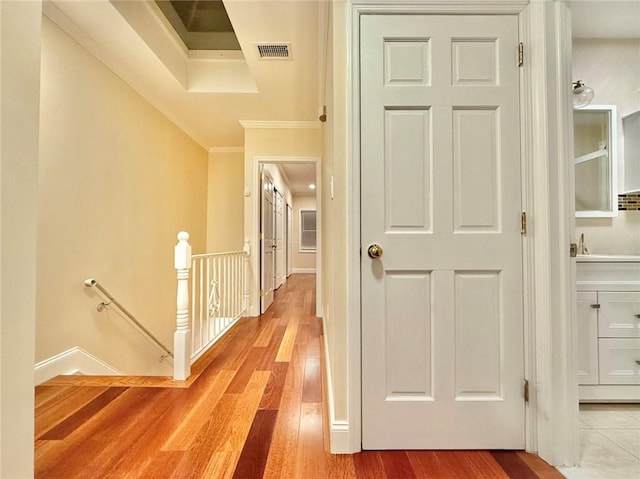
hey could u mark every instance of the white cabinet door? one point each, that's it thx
(619, 314)
(620, 361)
(442, 324)
(587, 338)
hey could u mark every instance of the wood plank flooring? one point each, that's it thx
(254, 407)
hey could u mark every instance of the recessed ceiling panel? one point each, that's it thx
(202, 25)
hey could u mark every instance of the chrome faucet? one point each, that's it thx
(582, 246)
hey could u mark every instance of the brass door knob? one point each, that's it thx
(374, 251)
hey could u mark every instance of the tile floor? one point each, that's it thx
(609, 442)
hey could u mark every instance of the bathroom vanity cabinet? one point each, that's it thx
(608, 328)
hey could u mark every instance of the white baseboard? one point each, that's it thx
(73, 361)
(339, 431)
(304, 270)
(340, 437)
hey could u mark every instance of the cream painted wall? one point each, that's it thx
(225, 202)
(272, 144)
(335, 234)
(118, 181)
(301, 260)
(612, 68)
(19, 106)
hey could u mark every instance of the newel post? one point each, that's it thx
(182, 336)
(247, 270)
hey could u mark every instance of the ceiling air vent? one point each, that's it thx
(273, 51)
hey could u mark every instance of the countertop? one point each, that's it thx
(607, 258)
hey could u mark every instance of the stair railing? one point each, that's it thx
(218, 299)
(92, 283)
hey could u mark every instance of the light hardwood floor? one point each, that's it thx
(253, 408)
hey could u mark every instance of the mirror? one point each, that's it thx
(595, 141)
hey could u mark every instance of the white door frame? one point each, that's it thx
(254, 289)
(549, 285)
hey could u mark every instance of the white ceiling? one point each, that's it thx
(605, 18)
(299, 176)
(264, 90)
(134, 40)
(194, 91)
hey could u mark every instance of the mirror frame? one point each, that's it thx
(612, 148)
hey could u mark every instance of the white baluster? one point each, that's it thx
(247, 258)
(182, 336)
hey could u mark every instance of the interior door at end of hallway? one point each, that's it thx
(280, 258)
(267, 243)
(289, 240)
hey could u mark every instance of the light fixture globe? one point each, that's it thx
(582, 94)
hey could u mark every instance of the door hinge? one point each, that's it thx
(523, 223)
(526, 390)
(261, 236)
(262, 293)
(520, 54)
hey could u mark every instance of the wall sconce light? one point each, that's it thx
(582, 94)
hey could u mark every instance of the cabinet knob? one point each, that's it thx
(595, 306)
(637, 315)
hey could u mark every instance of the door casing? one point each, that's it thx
(550, 325)
(254, 234)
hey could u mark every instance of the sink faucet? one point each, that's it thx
(582, 246)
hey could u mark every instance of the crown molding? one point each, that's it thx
(299, 125)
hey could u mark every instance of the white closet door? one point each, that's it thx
(442, 320)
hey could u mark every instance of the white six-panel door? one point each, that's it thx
(267, 243)
(280, 257)
(442, 320)
(289, 240)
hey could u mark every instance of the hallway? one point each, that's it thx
(253, 408)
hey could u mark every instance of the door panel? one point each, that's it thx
(267, 243)
(280, 240)
(408, 363)
(476, 183)
(407, 170)
(289, 240)
(442, 321)
(478, 348)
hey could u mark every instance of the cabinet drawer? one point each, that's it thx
(619, 361)
(619, 315)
